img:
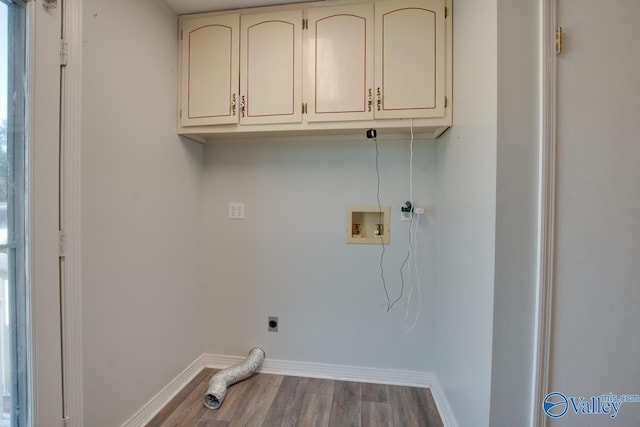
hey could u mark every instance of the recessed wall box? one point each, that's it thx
(368, 224)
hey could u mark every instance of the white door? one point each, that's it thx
(209, 63)
(596, 302)
(339, 63)
(271, 67)
(410, 58)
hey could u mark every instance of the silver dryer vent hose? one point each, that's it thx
(231, 375)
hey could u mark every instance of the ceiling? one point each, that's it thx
(194, 6)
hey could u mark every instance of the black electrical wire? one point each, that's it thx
(384, 282)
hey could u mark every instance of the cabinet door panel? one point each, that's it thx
(270, 74)
(410, 58)
(339, 81)
(210, 49)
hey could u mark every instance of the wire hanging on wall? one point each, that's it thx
(411, 259)
(372, 134)
(418, 286)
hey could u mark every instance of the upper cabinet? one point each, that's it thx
(311, 69)
(209, 65)
(339, 69)
(271, 68)
(410, 58)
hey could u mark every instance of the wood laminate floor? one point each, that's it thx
(276, 400)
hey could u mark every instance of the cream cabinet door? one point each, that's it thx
(339, 63)
(410, 58)
(271, 67)
(209, 59)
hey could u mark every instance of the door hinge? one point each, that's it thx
(50, 4)
(64, 52)
(558, 40)
(62, 244)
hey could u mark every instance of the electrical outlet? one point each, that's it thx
(405, 211)
(273, 324)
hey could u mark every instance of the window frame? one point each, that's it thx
(17, 48)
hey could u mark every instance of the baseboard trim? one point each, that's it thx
(299, 369)
(150, 409)
(446, 414)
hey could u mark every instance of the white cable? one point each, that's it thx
(413, 245)
(418, 287)
(411, 168)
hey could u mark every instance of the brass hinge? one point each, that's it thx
(558, 40)
(62, 244)
(64, 52)
(446, 102)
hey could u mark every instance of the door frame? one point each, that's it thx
(546, 209)
(70, 212)
(60, 380)
(42, 139)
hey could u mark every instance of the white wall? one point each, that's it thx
(516, 211)
(149, 210)
(289, 258)
(141, 191)
(595, 336)
(466, 218)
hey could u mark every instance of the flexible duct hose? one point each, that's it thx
(231, 375)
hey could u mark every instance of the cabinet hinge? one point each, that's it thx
(62, 244)
(446, 101)
(446, 11)
(558, 40)
(64, 52)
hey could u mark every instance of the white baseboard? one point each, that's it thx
(299, 369)
(446, 414)
(164, 396)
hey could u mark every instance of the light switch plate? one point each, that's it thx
(236, 210)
